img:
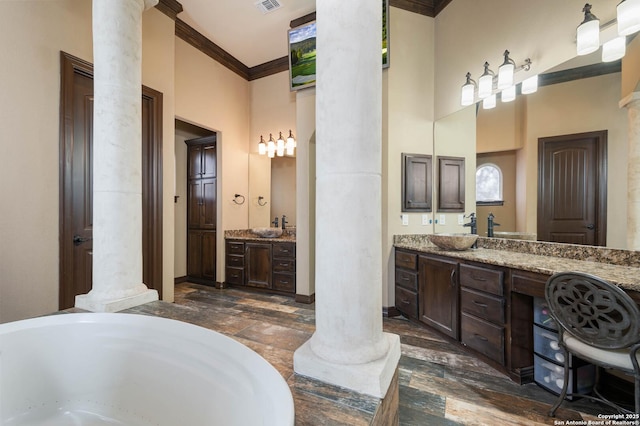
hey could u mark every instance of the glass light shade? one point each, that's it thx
(485, 86)
(489, 102)
(280, 142)
(588, 37)
(505, 76)
(530, 85)
(290, 144)
(614, 49)
(509, 94)
(262, 148)
(628, 17)
(271, 147)
(467, 97)
(271, 154)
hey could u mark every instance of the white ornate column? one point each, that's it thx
(348, 348)
(632, 103)
(117, 158)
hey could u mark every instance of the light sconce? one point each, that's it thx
(614, 49)
(628, 16)
(485, 82)
(505, 72)
(468, 91)
(489, 84)
(530, 85)
(588, 32)
(508, 94)
(272, 148)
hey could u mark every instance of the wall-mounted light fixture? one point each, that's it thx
(590, 33)
(489, 84)
(279, 147)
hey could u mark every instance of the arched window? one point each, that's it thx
(489, 185)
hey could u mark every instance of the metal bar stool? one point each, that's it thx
(598, 322)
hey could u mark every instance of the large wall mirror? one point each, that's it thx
(272, 190)
(507, 136)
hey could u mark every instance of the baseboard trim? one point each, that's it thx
(303, 298)
(390, 312)
(178, 280)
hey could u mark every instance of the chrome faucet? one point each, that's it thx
(491, 224)
(275, 222)
(284, 222)
(472, 224)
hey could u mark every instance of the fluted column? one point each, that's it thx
(117, 158)
(348, 347)
(632, 103)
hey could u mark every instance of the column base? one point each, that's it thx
(89, 303)
(372, 378)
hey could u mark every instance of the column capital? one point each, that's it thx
(629, 99)
(148, 4)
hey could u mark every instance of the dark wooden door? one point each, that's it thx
(76, 194)
(572, 188)
(258, 265)
(439, 294)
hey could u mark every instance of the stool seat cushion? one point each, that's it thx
(615, 358)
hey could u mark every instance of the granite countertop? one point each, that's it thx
(288, 236)
(531, 256)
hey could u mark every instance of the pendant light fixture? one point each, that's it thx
(505, 72)
(628, 16)
(271, 147)
(614, 49)
(468, 90)
(588, 33)
(279, 147)
(485, 82)
(262, 146)
(291, 143)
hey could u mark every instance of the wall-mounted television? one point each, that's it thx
(302, 56)
(302, 51)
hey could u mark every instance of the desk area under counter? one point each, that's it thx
(483, 298)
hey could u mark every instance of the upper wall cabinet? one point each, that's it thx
(451, 184)
(417, 183)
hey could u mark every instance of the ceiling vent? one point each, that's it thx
(267, 6)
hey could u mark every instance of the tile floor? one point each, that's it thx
(439, 383)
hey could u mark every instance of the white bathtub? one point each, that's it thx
(125, 369)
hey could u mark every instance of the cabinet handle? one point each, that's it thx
(473, 277)
(480, 337)
(482, 305)
(284, 282)
(453, 274)
(406, 302)
(284, 264)
(284, 251)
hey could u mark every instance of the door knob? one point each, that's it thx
(77, 240)
(591, 226)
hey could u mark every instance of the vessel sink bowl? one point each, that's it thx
(453, 241)
(267, 232)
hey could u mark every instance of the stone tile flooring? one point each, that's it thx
(439, 383)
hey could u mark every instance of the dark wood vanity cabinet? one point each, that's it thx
(263, 265)
(407, 283)
(438, 294)
(482, 313)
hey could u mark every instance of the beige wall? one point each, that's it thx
(631, 69)
(32, 34)
(213, 97)
(470, 32)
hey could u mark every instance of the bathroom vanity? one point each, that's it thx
(483, 298)
(261, 263)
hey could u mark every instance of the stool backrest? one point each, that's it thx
(593, 310)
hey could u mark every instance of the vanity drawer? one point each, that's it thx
(235, 248)
(406, 260)
(235, 261)
(484, 337)
(284, 265)
(482, 305)
(407, 302)
(284, 250)
(234, 276)
(407, 279)
(284, 282)
(483, 279)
